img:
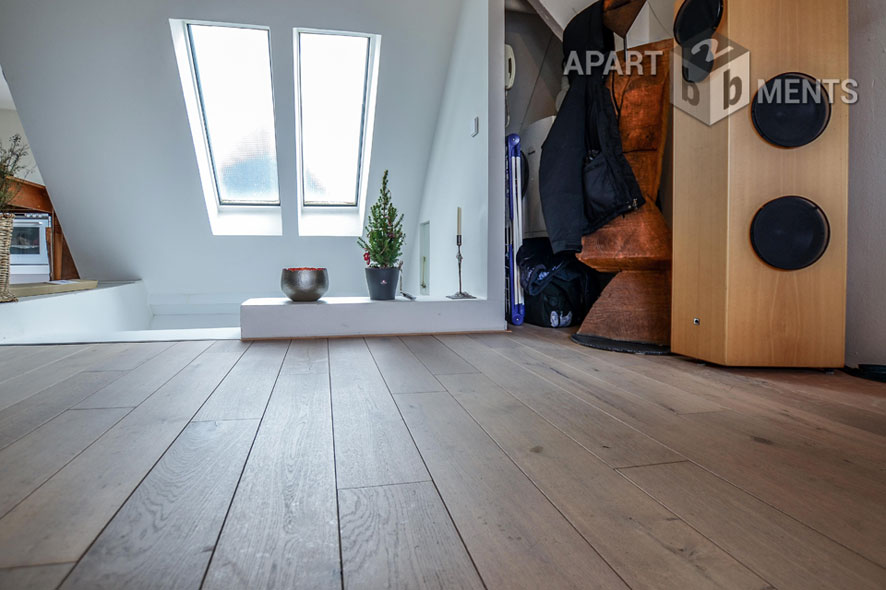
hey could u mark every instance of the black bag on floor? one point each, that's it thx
(558, 289)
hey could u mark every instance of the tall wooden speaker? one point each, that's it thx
(761, 197)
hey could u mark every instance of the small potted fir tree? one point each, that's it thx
(11, 165)
(382, 246)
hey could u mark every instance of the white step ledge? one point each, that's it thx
(280, 318)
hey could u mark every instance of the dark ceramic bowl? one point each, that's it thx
(304, 284)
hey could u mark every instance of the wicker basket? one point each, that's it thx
(6, 222)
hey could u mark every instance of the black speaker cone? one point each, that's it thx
(790, 233)
(697, 20)
(791, 110)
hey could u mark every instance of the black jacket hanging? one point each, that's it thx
(584, 180)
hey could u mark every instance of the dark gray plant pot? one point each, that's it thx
(382, 283)
(304, 284)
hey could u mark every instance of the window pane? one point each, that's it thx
(25, 241)
(233, 68)
(333, 75)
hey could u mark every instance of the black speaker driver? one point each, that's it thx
(790, 233)
(697, 20)
(791, 110)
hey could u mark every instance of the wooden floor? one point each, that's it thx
(509, 461)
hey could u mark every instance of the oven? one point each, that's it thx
(29, 251)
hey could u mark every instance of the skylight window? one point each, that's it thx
(232, 72)
(335, 96)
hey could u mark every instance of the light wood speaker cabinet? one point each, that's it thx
(756, 285)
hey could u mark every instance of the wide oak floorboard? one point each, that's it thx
(436, 356)
(648, 545)
(23, 386)
(139, 384)
(22, 418)
(401, 536)
(516, 537)
(789, 554)
(58, 522)
(372, 444)
(164, 534)
(31, 460)
(244, 393)
(830, 493)
(510, 461)
(402, 371)
(282, 529)
(36, 577)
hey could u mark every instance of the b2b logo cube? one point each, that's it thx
(711, 78)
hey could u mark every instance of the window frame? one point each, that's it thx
(367, 122)
(198, 90)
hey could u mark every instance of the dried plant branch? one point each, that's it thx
(12, 166)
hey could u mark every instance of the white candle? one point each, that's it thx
(459, 221)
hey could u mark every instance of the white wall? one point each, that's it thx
(98, 92)
(84, 316)
(9, 126)
(539, 55)
(458, 172)
(6, 102)
(654, 23)
(866, 327)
